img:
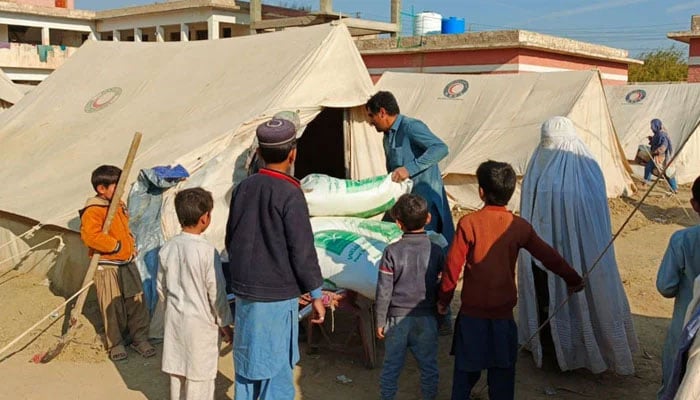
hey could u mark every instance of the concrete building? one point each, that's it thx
(37, 36)
(692, 39)
(493, 52)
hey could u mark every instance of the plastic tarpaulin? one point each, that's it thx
(145, 201)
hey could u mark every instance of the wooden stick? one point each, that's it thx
(116, 199)
(18, 338)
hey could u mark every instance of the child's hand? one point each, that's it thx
(442, 310)
(226, 333)
(319, 311)
(577, 288)
(380, 333)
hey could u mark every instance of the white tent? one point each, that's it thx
(498, 117)
(632, 108)
(10, 93)
(197, 103)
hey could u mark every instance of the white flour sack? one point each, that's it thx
(349, 250)
(328, 196)
(349, 260)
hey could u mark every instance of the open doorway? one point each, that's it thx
(321, 148)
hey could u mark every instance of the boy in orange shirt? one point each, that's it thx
(117, 280)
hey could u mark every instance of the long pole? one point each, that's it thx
(118, 193)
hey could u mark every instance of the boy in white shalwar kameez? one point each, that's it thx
(191, 285)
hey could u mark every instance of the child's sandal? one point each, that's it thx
(118, 353)
(144, 348)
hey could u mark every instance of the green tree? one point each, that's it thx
(662, 65)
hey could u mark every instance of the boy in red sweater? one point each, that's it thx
(486, 246)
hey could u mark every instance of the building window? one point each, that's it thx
(84, 37)
(24, 34)
(144, 37)
(202, 35)
(226, 32)
(174, 36)
(129, 38)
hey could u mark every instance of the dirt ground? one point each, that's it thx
(82, 370)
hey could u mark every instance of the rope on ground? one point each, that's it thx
(58, 249)
(23, 334)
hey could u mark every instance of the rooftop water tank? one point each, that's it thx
(452, 25)
(427, 23)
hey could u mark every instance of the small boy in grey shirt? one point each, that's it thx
(406, 301)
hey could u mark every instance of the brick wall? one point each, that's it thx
(694, 73)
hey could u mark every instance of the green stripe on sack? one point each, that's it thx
(376, 210)
(361, 185)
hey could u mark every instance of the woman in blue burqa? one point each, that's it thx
(661, 150)
(564, 198)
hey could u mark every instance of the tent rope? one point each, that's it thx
(28, 234)
(58, 248)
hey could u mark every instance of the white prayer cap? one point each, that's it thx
(558, 127)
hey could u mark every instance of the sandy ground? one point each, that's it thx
(82, 370)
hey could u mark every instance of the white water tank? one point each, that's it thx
(427, 23)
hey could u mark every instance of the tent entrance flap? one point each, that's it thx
(321, 148)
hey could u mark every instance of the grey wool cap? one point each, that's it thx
(275, 132)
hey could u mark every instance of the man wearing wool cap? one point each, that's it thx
(272, 262)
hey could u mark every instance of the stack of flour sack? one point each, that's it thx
(349, 235)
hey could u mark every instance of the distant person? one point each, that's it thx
(117, 280)
(413, 151)
(406, 299)
(661, 152)
(272, 261)
(679, 268)
(486, 247)
(564, 198)
(191, 284)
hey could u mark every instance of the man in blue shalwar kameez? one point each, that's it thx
(413, 151)
(679, 268)
(272, 261)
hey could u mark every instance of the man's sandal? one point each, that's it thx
(118, 353)
(144, 348)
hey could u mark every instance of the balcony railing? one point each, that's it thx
(23, 55)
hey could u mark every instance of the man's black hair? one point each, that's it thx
(385, 100)
(696, 189)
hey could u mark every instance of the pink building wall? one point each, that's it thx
(49, 3)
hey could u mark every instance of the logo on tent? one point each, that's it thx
(103, 99)
(636, 96)
(456, 88)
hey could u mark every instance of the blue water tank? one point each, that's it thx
(452, 25)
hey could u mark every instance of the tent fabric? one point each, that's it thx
(632, 107)
(9, 91)
(197, 104)
(563, 197)
(497, 117)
